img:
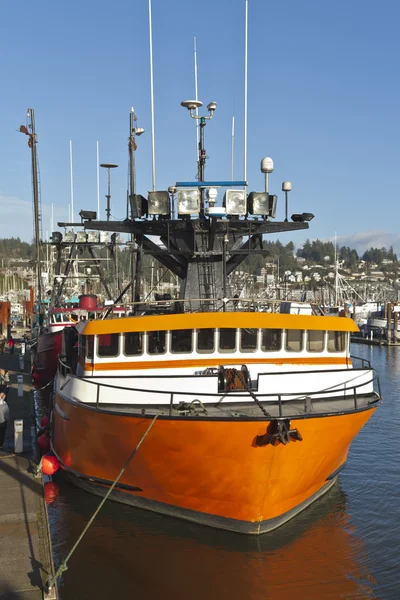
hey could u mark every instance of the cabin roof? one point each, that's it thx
(214, 320)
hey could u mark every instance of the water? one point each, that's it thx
(346, 546)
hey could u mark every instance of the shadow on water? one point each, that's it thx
(131, 551)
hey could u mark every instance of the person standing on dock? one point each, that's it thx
(11, 344)
(4, 416)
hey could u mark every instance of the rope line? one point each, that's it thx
(64, 565)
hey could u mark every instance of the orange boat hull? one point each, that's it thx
(205, 470)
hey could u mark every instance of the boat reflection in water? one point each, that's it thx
(139, 554)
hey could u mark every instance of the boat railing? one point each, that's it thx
(235, 304)
(176, 398)
(365, 362)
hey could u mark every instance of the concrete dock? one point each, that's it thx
(25, 548)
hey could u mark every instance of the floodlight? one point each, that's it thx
(88, 214)
(138, 205)
(188, 201)
(93, 237)
(81, 237)
(262, 203)
(104, 237)
(158, 203)
(69, 236)
(297, 218)
(56, 237)
(235, 202)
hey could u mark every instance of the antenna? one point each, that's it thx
(108, 166)
(98, 181)
(196, 96)
(245, 90)
(72, 181)
(233, 147)
(153, 160)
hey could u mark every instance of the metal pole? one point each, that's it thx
(196, 97)
(153, 160)
(72, 180)
(108, 196)
(35, 185)
(132, 193)
(286, 206)
(98, 181)
(245, 91)
(233, 147)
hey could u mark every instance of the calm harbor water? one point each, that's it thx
(347, 545)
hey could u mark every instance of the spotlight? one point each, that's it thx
(188, 201)
(235, 202)
(90, 215)
(158, 203)
(56, 237)
(302, 218)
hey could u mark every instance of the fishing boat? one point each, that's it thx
(236, 417)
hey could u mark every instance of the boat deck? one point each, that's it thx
(306, 406)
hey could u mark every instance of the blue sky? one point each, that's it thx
(323, 102)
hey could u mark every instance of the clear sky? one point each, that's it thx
(323, 102)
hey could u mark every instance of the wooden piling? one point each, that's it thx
(395, 324)
(389, 321)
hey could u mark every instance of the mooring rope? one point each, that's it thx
(64, 565)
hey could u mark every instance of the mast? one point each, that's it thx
(245, 90)
(30, 131)
(131, 148)
(153, 159)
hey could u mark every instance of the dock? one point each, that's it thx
(358, 339)
(25, 550)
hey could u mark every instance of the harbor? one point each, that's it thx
(199, 303)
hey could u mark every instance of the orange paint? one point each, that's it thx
(215, 320)
(209, 466)
(220, 359)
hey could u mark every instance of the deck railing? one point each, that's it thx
(174, 398)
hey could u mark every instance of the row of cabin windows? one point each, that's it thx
(206, 341)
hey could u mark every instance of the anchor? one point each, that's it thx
(278, 432)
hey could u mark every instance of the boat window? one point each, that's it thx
(181, 341)
(133, 343)
(227, 340)
(315, 341)
(89, 339)
(108, 344)
(81, 346)
(336, 341)
(294, 340)
(156, 342)
(271, 340)
(248, 340)
(205, 340)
